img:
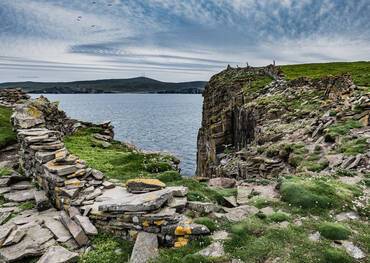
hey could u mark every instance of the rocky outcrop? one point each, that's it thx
(254, 121)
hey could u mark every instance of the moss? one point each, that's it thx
(314, 166)
(258, 83)
(108, 249)
(5, 171)
(7, 135)
(332, 255)
(317, 193)
(342, 128)
(358, 70)
(279, 217)
(208, 222)
(334, 231)
(353, 146)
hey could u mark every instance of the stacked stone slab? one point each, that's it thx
(10, 97)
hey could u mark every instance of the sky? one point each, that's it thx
(173, 40)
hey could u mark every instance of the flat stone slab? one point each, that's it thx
(86, 225)
(243, 193)
(76, 231)
(239, 213)
(60, 233)
(58, 254)
(60, 169)
(144, 185)
(119, 199)
(216, 249)
(145, 248)
(20, 196)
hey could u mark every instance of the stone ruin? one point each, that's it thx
(144, 209)
(10, 97)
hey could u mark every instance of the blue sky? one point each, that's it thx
(173, 40)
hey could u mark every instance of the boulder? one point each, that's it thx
(223, 182)
(144, 185)
(243, 194)
(239, 213)
(145, 248)
(58, 254)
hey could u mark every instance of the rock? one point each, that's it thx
(73, 211)
(97, 174)
(351, 215)
(57, 228)
(178, 191)
(35, 243)
(76, 231)
(5, 230)
(102, 137)
(222, 182)
(315, 237)
(216, 249)
(60, 169)
(353, 250)
(178, 202)
(201, 207)
(243, 193)
(94, 194)
(86, 225)
(144, 185)
(334, 159)
(20, 196)
(119, 200)
(42, 201)
(267, 211)
(145, 248)
(4, 216)
(239, 213)
(355, 162)
(108, 185)
(15, 236)
(58, 254)
(220, 235)
(22, 185)
(231, 200)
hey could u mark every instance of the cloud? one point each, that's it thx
(174, 40)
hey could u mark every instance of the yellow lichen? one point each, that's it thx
(182, 230)
(147, 181)
(145, 223)
(34, 112)
(181, 242)
(159, 222)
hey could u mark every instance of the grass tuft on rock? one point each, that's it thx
(208, 222)
(332, 255)
(5, 171)
(279, 217)
(334, 231)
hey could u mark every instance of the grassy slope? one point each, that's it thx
(7, 136)
(360, 71)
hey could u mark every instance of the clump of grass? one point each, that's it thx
(208, 222)
(354, 146)
(279, 217)
(7, 135)
(332, 255)
(344, 172)
(5, 171)
(317, 193)
(314, 166)
(108, 249)
(334, 231)
(342, 128)
(184, 254)
(27, 205)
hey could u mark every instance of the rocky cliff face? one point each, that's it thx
(258, 125)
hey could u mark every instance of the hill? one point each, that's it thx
(132, 85)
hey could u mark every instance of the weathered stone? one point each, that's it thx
(15, 236)
(144, 185)
(97, 174)
(178, 202)
(5, 230)
(178, 191)
(57, 228)
(347, 216)
(125, 201)
(4, 217)
(145, 248)
(60, 169)
(42, 201)
(58, 254)
(33, 139)
(239, 213)
(202, 207)
(73, 211)
(222, 182)
(231, 200)
(216, 249)
(44, 157)
(74, 182)
(76, 231)
(52, 146)
(20, 196)
(94, 194)
(267, 211)
(315, 237)
(353, 250)
(220, 235)
(22, 185)
(86, 225)
(243, 194)
(108, 185)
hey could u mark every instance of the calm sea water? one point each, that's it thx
(158, 122)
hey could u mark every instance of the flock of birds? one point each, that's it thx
(79, 18)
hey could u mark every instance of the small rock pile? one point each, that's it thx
(146, 205)
(10, 97)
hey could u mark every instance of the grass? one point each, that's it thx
(334, 231)
(117, 161)
(353, 146)
(7, 135)
(208, 222)
(5, 171)
(342, 128)
(257, 84)
(27, 205)
(360, 71)
(317, 193)
(108, 249)
(279, 217)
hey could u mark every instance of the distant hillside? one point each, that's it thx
(133, 85)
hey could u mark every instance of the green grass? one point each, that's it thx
(208, 222)
(279, 217)
(27, 205)
(317, 193)
(353, 146)
(117, 161)
(108, 249)
(7, 135)
(257, 84)
(342, 128)
(334, 231)
(5, 171)
(360, 71)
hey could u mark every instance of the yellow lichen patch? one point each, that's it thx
(181, 242)
(132, 234)
(159, 222)
(145, 223)
(146, 181)
(34, 112)
(182, 230)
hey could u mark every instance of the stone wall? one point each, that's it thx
(10, 97)
(144, 205)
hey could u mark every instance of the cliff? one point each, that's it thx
(253, 120)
